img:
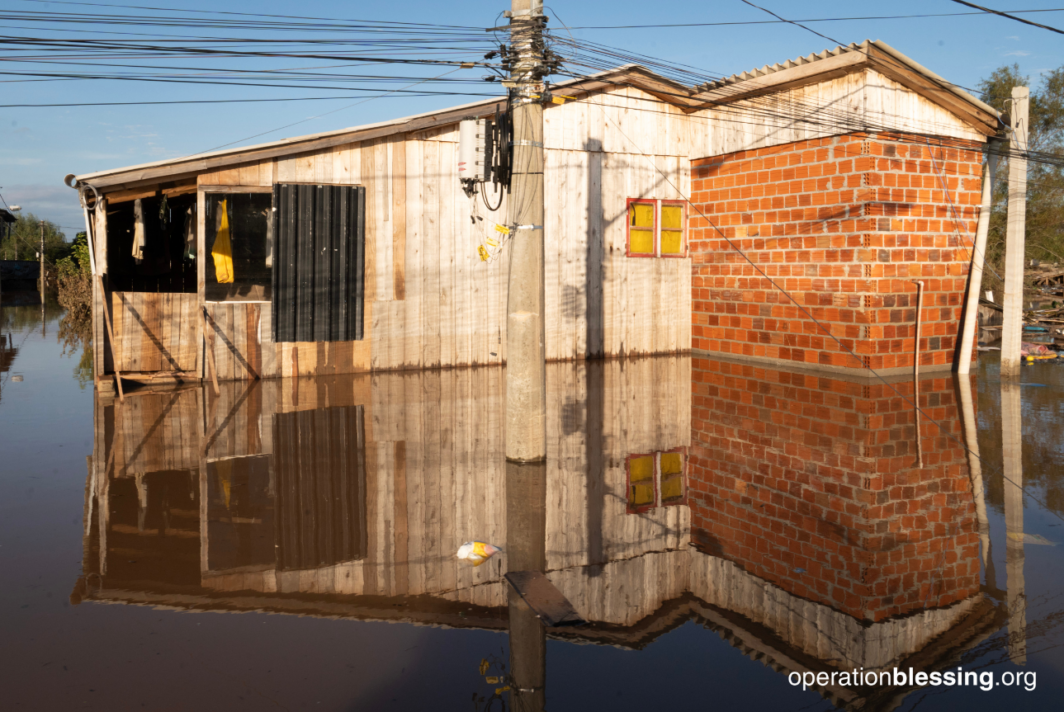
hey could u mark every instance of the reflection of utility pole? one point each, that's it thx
(526, 550)
(526, 396)
(1012, 454)
(41, 260)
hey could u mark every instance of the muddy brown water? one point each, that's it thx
(723, 528)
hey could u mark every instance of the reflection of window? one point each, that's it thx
(657, 479)
(239, 265)
(672, 485)
(642, 492)
(657, 228)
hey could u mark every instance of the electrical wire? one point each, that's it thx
(215, 101)
(342, 108)
(814, 19)
(1011, 17)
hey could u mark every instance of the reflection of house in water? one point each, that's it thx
(8, 352)
(784, 511)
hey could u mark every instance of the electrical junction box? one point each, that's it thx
(474, 164)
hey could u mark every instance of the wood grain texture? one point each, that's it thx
(398, 211)
(434, 478)
(145, 335)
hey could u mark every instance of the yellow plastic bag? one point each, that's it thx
(222, 251)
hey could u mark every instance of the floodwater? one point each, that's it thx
(722, 528)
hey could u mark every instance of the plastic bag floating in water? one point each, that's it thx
(477, 551)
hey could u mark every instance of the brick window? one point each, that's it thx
(656, 480)
(657, 228)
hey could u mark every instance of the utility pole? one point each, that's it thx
(41, 260)
(1012, 326)
(526, 395)
(1012, 472)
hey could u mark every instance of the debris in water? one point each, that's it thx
(477, 551)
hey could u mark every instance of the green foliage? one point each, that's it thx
(23, 240)
(77, 262)
(1045, 183)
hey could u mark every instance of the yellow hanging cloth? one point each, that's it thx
(222, 251)
(224, 468)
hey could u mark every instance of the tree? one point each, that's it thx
(1045, 183)
(77, 260)
(23, 240)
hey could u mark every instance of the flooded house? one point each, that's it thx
(674, 216)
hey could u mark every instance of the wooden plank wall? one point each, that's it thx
(155, 331)
(816, 629)
(888, 102)
(431, 301)
(435, 476)
(828, 108)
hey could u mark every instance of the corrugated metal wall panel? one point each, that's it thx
(319, 263)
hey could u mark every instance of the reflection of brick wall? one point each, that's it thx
(843, 224)
(791, 471)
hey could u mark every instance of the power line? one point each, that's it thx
(814, 19)
(1011, 17)
(245, 14)
(791, 22)
(217, 101)
(349, 106)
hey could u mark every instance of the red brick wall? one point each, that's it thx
(843, 224)
(811, 483)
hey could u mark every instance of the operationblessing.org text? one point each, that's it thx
(858, 677)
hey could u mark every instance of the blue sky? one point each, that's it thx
(38, 146)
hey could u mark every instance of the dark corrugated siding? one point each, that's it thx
(319, 263)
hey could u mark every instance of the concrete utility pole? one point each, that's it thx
(1012, 327)
(526, 395)
(526, 550)
(1012, 471)
(41, 260)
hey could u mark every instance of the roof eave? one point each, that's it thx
(180, 168)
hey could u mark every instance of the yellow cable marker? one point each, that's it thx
(483, 253)
(503, 229)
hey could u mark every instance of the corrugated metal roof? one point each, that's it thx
(874, 50)
(770, 69)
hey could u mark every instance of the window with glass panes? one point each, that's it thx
(657, 228)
